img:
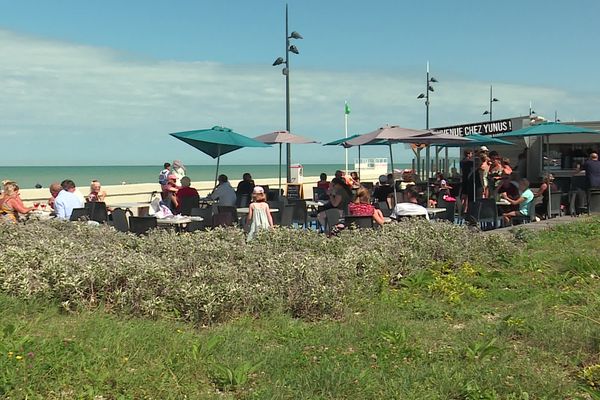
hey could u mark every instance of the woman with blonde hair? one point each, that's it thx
(96, 192)
(362, 207)
(11, 204)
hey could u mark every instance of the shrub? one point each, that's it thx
(214, 275)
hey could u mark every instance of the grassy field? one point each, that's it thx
(523, 326)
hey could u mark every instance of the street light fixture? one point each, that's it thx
(428, 88)
(492, 101)
(286, 71)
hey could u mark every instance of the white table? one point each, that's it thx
(434, 211)
(314, 204)
(502, 203)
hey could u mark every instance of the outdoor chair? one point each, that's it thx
(352, 221)
(300, 213)
(286, 215)
(242, 200)
(141, 225)
(188, 203)
(206, 214)
(97, 211)
(594, 201)
(368, 185)
(524, 219)
(384, 208)
(319, 193)
(555, 208)
(577, 201)
(119, 220)
(278, 205)
(79, 214)
(332, 219)
(488, 214)
(228, 209)
(450, 207)
(222, 219)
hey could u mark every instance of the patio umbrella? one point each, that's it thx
(343, 142)
(476, 139)
(281, 137)
(546, 129)
(217, 141)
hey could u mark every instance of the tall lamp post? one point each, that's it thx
(428, 88)
(286, 72)
(492, 101)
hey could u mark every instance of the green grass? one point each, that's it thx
(526, 327)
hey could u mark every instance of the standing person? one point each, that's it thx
(96, 192)
(466, 171)
(178, 171)
(246, 185)
(11, 204)
(224, 193)
(169, 193)
(484, 170)
(163, 176)
(592, 171)
(55, 189)
(259, 213)
(66, 200)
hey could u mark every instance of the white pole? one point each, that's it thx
(346, 133)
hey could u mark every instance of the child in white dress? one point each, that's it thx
(259, 214)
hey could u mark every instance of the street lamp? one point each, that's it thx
(428, 88)
(286, 72)
(492, 101)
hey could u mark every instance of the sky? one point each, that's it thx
(105, 82)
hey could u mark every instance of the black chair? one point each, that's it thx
(555, 200)
(384, 208)
(79, 214)
(488, 214)
(352, 221)
(276, 205)
(594, 201)
(450, 207)
(242, 200)
(368, 185)
(273, 194)
(97, 211)
(228, 209)
(530, 217)
(332, 219)
(300, 212)
(119, 220)
(320, 193)
(141, 225)
(187, 203)
(206, 214)
(287, 215)
(222, 219)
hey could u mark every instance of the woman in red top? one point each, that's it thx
(361, 207)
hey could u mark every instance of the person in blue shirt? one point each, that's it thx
(66, 200)
(523, 201)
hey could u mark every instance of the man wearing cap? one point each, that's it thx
(224, 193)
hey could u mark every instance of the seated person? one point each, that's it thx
(523, 201)
(223, 193)
(355, 180)
(411, 208)
(96, 192)
(361, 207)
(186, 191)
(338, 198)
(408, 179)
(323, 183)
(67, 200)
(55, 189)
(246, 185)
(11, 204)
(383, 190)
(169, 192)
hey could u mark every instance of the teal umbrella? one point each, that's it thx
(545, 129)
(479, 140)
(217, 141)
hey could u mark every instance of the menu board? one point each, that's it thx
(294, 191)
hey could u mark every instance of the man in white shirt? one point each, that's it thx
(411, 208)
(66, 200)
(224, 193)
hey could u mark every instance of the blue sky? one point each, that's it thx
(105, 82)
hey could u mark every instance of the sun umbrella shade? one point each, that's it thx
(547, 128)
(438, 139)
(283, 137)
(217, 140)
(387, 133)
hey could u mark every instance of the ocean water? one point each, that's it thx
(28, 177)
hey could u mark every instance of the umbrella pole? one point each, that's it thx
(358, 161)
(427, 170)
(279, 167)
(549, 205)
(393, 179)
(218, 161)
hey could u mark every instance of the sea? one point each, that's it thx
(28, 177)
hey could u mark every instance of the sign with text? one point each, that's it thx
(294, 191)
(481, 128)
